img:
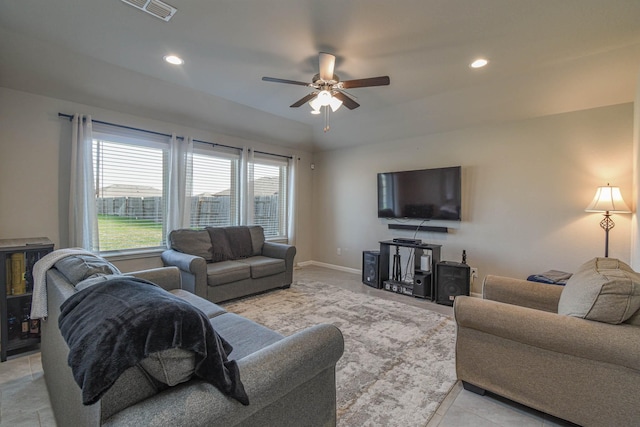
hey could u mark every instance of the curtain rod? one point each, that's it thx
(215, 143)
(272, 154)
(70, 117)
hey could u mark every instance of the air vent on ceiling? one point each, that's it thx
(154, 7)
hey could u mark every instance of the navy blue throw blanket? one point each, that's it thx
(113, 325)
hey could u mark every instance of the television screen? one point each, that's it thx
(420, 194)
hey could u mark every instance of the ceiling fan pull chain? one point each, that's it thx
(326, 118)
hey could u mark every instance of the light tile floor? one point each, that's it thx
(24, 400)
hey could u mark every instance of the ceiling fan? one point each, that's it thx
(328, 90)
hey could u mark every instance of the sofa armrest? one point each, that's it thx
(268, 375)
(278, 250)
(281, 251)
(193, 270)
(167, 278)
(616, 344)
(539, 296)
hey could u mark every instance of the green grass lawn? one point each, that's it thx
(118, 232)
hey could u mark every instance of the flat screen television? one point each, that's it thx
(421, 194)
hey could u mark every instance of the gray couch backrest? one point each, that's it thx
(219, 243)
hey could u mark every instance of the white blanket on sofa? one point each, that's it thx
(39, 298)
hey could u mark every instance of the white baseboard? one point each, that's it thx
(331, 266)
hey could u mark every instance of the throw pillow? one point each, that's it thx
(239, 239)
(193, 242)
(220, 249)
(77, 268)
(634, 319)
(257, 239)
(604, 290)
(171, 367)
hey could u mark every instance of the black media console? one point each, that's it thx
(424, 270)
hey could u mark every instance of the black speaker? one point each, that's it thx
(453, 279)
(371, 269)
(421, 285)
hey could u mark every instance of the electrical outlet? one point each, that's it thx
(339, 251)
(474, 273)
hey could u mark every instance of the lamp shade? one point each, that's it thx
(608, 199)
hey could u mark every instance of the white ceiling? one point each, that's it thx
(547, 57)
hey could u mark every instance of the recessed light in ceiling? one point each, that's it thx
(479, 63)
(173, 59)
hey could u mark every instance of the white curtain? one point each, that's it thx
(246, 187)
(83, 220)
(292, 209)
(179, 187)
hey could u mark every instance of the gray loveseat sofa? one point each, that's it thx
(290, 381)
(571, 351)
(223, 263)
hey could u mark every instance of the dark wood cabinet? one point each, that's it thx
(17, 258)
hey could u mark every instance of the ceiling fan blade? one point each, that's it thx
(289, 82)
(304, 100)
(346, 101)
(327, 64)
(372, 81)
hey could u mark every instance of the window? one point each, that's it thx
(130, 175)
(215, 194)
(268, 178)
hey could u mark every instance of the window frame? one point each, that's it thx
(235, 180)
(130, 137)
(283, 189)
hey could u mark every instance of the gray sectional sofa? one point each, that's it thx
(290, 381)
(223, 263)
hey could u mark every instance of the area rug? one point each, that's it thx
(398, 364)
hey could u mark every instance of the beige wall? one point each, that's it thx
(525, 187)
(34, 168)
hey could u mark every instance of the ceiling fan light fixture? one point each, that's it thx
(316, 104)
(335, 103)
(324, 97)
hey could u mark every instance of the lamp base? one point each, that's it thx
(607, 224)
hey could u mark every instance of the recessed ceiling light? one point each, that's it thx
(479, 63)
(175, 60)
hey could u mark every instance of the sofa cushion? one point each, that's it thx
(172, 366)
(263, 266)
(223, 272)
(604, 290)
(220, 249)
(207, 307)
(77, 268)
(193, 242)
(244, 335)
(257, 238)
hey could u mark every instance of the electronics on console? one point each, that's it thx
(408, 241)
